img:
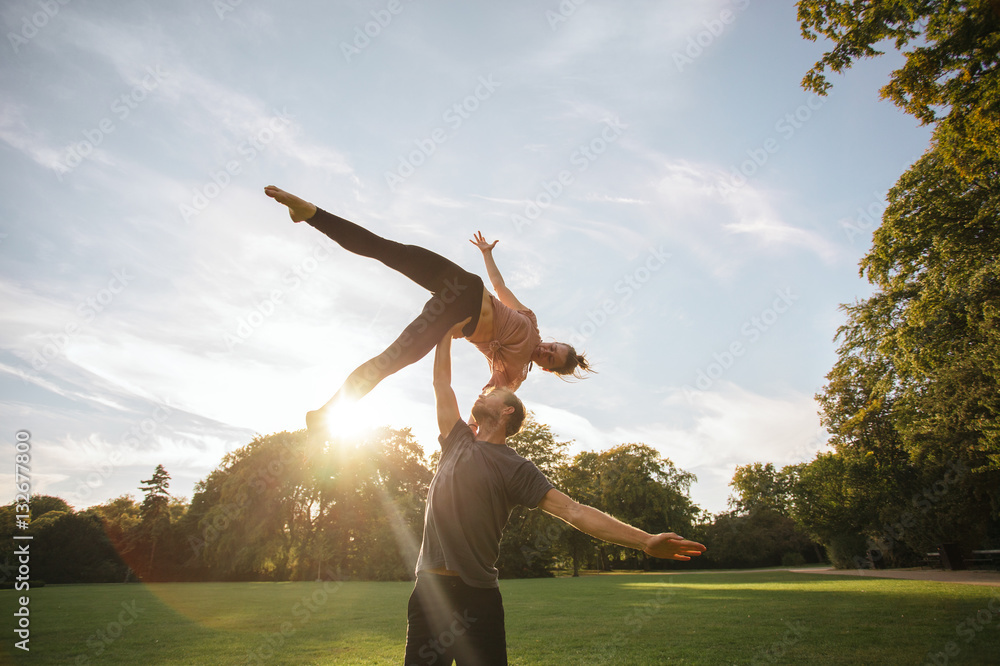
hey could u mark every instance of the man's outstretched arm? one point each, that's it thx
(606, 528)
(447, 404)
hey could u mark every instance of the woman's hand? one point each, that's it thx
(480, 241)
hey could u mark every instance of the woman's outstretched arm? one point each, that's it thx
(503, 293)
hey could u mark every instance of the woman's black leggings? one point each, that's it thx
(456, 295)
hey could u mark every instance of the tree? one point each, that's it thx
(935, 261)
(42, 504)
(72, 547)
(154, 515)
(120, 519)
(634, 484)
(951, 66)
(913, 402)
(763, 538)
(759, 487)
(255, 511)
(830, 508)
(284, 508)
(531, 539)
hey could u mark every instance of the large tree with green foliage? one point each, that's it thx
(759, 530)
(635, 484)
(912, 403)
(915, 393)
(285, 507)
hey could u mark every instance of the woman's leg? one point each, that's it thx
(428, 269)
(461, 300)
(457, 295)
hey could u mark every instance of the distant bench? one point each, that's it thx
(932, 560)
(986, 559)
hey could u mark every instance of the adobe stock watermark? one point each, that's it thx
(779, 648)
(566, 9)
(223, 7)
(265, 308)
(121, 107)
(86, 312)
(582, 157)
(434, 649)
(221, 178)
(785, 128)
(99, 641)
(454, 117)
(140, 431)
(986, 619)
(364, 34)
(626, 288)
(35, 23)
(867, 219)
(698, 43)
(302, 611)
(751, 331)
(634, 622)
(923, 502)
(544, 541)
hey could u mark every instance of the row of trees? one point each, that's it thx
(280, 509)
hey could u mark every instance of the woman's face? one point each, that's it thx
(550, 355)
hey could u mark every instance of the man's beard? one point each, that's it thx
(482, 415)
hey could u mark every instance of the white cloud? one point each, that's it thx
(685, 203)
(720, 429)
(734, 426)
(15, 132)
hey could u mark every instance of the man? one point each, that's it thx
(455, 610)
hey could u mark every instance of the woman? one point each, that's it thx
(500, 326)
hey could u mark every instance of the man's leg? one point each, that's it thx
(427, 614)
(478, 626)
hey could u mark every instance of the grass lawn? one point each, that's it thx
(698, 618)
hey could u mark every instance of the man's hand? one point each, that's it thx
(444, 396)
(456, 330)
(669, 546)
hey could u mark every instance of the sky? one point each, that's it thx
(666, 196)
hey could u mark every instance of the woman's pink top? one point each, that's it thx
(515, 336)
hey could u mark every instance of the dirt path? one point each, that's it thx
(969, 577)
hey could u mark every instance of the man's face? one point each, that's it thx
(489, 406)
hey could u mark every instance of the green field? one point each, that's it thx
(698, 618)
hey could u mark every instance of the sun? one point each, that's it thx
(351, 422)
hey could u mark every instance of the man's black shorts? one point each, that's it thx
(448, 620)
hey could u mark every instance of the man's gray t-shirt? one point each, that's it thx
(476, 486)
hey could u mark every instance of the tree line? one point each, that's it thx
(282, 509)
